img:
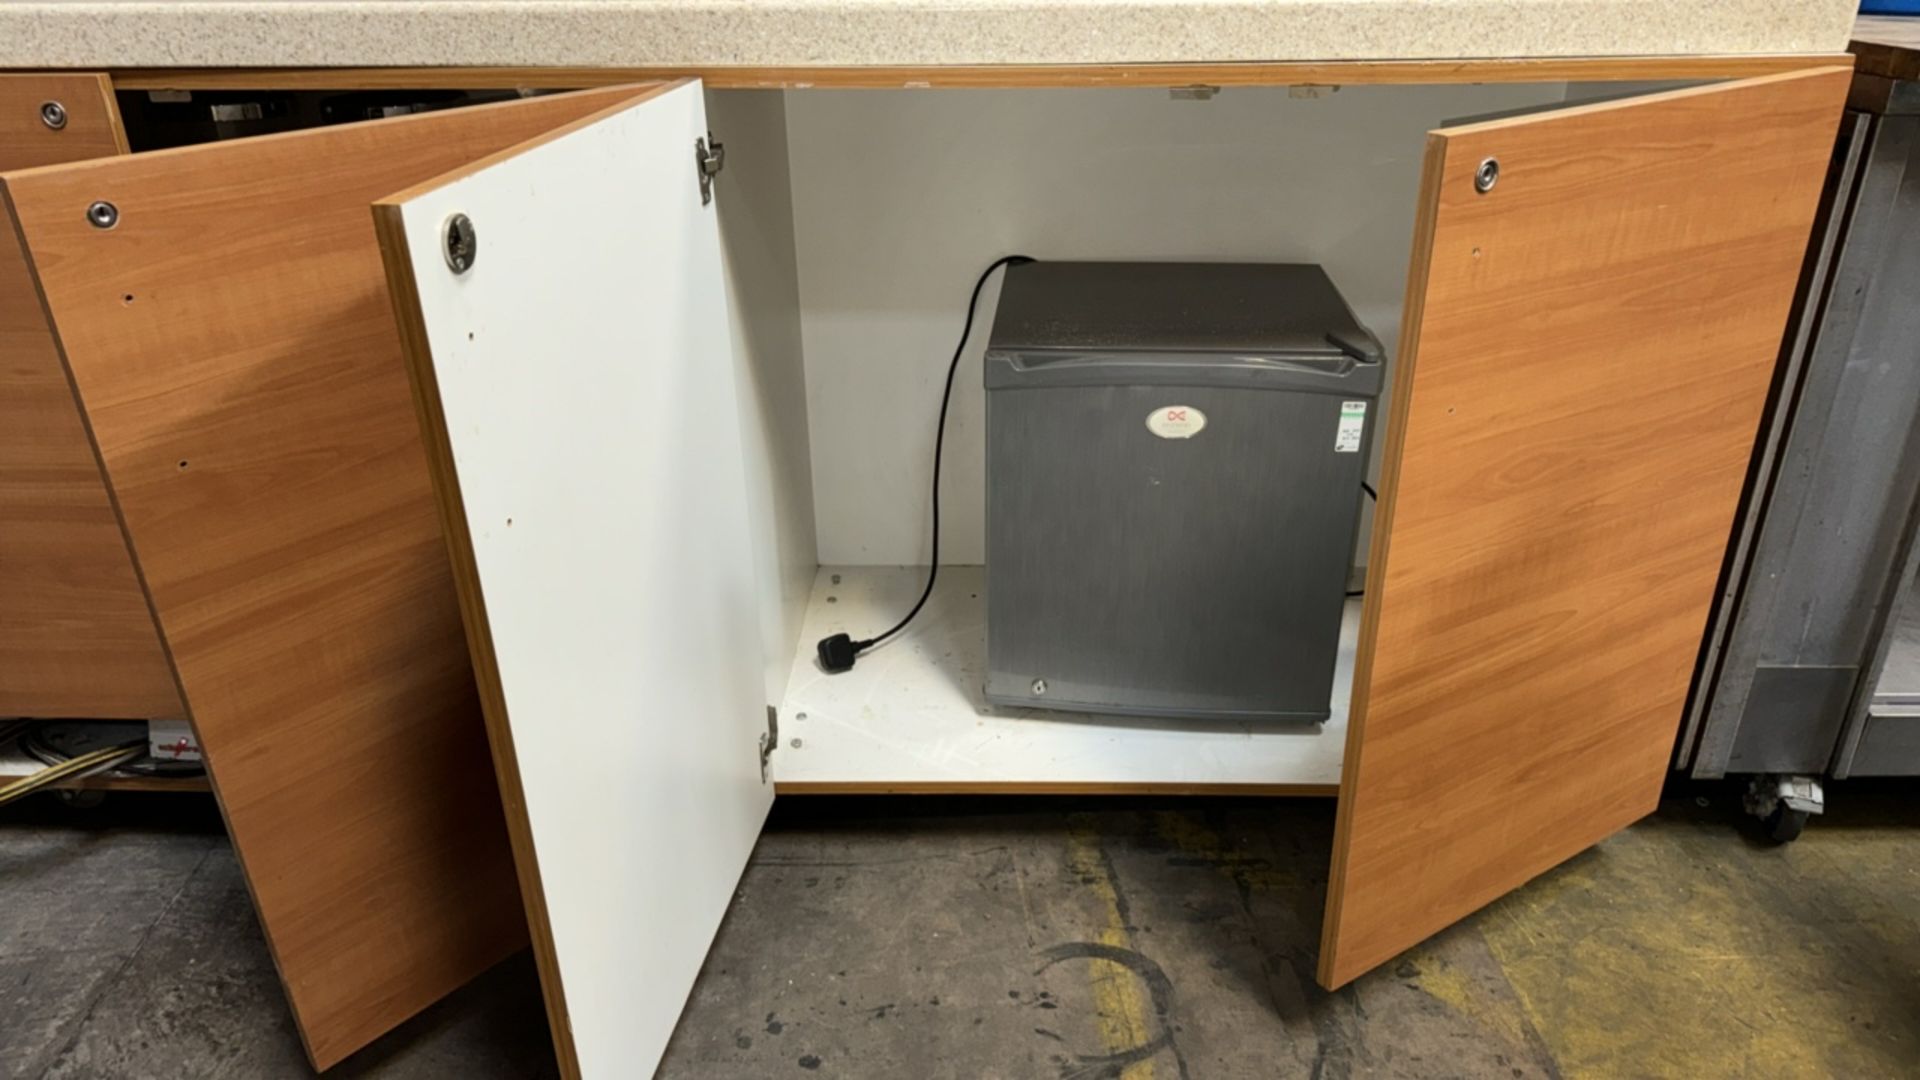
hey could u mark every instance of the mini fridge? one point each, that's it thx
(1175, 461)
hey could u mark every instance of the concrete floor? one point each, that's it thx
(1055, 939)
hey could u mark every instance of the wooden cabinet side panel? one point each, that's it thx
(76, 636)
(233, 346)
(1588, 349)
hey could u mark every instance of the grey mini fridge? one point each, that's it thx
(1175, 461)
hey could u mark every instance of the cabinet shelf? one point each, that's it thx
(911, 716)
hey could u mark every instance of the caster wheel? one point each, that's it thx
(1785, 824)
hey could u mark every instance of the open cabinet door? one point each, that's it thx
(230, 343)
(1586, 348)
(576, 389)
(76, 638)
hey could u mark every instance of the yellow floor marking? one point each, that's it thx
(1120, 1007)
(1189, 835)
(1656, 958)
(1443, 981)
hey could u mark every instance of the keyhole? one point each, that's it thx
(460, 243)
(1487, 175)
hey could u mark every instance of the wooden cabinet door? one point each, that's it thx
(1587, 345)
(576, 387)
(76, 638)
(227, 331)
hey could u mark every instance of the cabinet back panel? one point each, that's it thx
(234, 349)
(901, 198)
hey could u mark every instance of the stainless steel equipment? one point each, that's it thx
(1811, 666)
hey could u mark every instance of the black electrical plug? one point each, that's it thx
(838, 652)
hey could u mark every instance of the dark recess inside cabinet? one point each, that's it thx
(159, 119)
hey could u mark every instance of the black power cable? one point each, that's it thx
(838, 652)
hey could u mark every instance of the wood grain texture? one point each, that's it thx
(1586, 352)
(234, 349)
(76, 638)
(1335, 73)
(93, 120)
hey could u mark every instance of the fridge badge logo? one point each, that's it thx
(1353, 420)
(1176, 421)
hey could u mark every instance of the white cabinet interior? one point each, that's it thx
(901, 198)
(911, 718)
(853, 224)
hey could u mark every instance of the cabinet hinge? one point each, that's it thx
(768, 740)
(709, 157)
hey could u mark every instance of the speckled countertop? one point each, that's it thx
(314, 33)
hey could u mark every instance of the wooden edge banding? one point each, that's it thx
(115, 123)
(390, 226)
(1563, 112)
(1042, 787)
(1432, 171)
(642, 92)
(897, 77)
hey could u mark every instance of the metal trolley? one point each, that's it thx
(1811, 664)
